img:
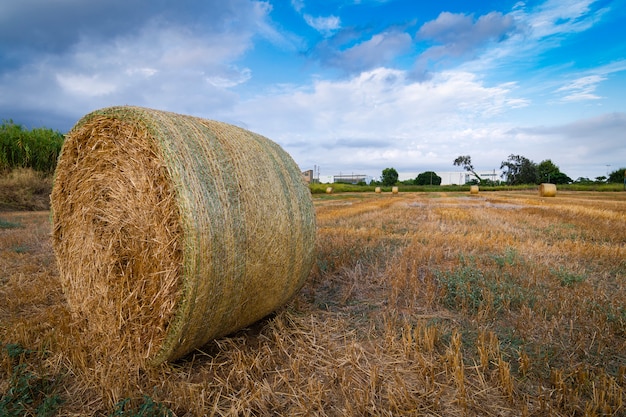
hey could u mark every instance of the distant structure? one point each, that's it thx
(312, 176)
(352, 178)
(461, 178)
(308, 176)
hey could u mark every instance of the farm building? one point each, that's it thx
(352, 178)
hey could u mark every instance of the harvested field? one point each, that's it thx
(440, 304)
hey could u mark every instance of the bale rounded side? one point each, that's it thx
(547, 190)
(171, 230)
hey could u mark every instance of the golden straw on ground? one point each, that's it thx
(171, 230)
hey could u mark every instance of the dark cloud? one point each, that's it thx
(36, 26)
(460, 31)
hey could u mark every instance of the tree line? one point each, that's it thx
(517, 170)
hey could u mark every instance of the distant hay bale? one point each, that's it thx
(378, 190)
(474, 189)
(394, 190)
(329, 190)
(171, 230)
(547, 190)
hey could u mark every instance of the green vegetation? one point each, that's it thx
(389, 177)
(617, 176)
(5, 224)
(28, 394)
(427, 178)
(38, 148)
(147, 408)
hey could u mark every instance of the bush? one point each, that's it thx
(38, 148)
(428, 178)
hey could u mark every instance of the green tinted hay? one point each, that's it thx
(171, 230)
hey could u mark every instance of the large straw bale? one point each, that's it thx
(547, 190)
(171, 230)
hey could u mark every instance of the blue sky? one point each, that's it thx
(348, 86)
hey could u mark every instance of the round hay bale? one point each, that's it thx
(171, 230)
(474, 189)
(329, 190)
(378, 190)
(394, 190)
(547, 190)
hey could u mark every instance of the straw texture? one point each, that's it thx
(473, 189)
(547, 190)
(171, 230)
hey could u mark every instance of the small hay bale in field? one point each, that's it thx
(474, 189)
(378, 190)
(547, 190)
(329, 190)
(394, 190)
(170, 230)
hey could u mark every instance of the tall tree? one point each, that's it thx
(427, 178)
(548, 172)
(519, 170)
(465, 161)
(389, 177)
(618, 176)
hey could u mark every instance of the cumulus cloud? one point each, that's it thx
(378, 116)
(160, 63)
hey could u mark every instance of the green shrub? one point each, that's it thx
(27, 394)
(38, 148)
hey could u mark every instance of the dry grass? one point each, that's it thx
(24, 189)
(503, 304)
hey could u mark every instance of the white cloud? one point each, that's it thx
(85, 85)
(379, 117)
(557, 17)
(325, 25)
(297, 5)
(582, 88)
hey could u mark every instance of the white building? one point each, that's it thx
(463, 177)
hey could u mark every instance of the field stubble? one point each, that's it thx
(419, 304)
